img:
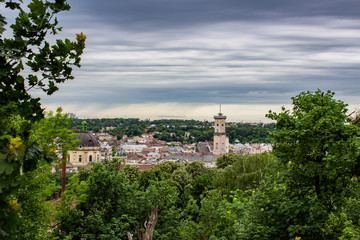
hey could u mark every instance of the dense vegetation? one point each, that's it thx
(188, 199)
(309, 188)
(185, 131)
(28, 140)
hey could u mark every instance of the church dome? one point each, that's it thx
(87, 140)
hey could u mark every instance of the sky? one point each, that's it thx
(183, 58)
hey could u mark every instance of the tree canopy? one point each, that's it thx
(28, 61)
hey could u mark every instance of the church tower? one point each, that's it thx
(221, 142)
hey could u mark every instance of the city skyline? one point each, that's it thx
(181, 59)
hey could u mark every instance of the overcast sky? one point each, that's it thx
(182, 58)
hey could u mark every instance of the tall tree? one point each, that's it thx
(110, 206)
(28, 61)
(318, 153)
(317, 144)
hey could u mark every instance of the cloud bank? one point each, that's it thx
(183, 58)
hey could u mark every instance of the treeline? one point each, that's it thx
(185, 131)
(170, 201)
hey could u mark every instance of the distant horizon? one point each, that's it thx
(234, 113)
(199, 113)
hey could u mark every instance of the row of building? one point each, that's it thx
(146, 151)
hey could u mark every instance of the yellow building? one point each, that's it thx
(88, 151)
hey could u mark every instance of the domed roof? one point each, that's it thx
(87, 140)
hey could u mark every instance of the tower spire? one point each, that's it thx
(220, 114)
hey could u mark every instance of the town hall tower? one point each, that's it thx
(221, 142)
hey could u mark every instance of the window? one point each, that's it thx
(217, 145)
(79, 158)
(90, 158)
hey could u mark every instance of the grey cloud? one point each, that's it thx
(230, 52)
(162, 13)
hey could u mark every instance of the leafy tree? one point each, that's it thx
(28, 61)
(318, 145)
(317, 153)
(245, 173)
(49, 64)
(110, 206)
(132, 172)
(159, 172)
(52, 133)
(33, 212)
(181, 178)
(196, 168)
(225, 160)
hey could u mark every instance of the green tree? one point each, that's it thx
(225, 160)
(33, 212)
(246, 172)
(52, 132)
(28, 61)
(196, 168)
(318, 145)
(49, 64)
(109, 206)
(317, 152)
(132, 172)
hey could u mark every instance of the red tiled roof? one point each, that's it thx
(143, 167)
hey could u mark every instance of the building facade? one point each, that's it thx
(221, 141)
(88, 151)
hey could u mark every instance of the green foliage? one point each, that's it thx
(110, 205)
(49, 64)
(245, 172)
(317, 153)
(318, 146)
(132, 172)
(275, 212)
(225, 160)
(28, 61)
(159, 172)
(308, 189)
(52, 133)
(34, 214)
(250, 133)
(16, 157)
(196, 168)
